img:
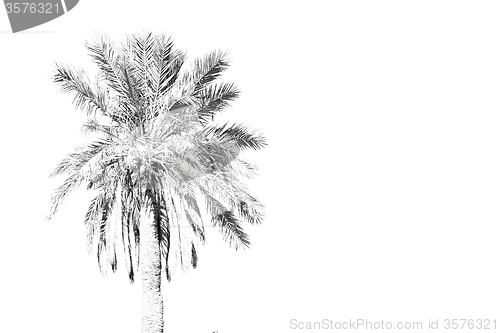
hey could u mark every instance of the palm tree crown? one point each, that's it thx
(157, 154)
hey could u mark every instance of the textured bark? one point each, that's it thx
(152, 301)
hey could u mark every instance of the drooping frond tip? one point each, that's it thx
(231, 229)
(87, 97)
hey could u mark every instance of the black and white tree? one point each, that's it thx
(156, 159)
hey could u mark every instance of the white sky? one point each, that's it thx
(381, 181)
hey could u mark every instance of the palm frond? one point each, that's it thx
(104, 55)
(134, 95)
(164, 235)
(176, 209)
(246, 205)
(156, 205)
(169, 62)
(105, 246)
(81, 157)
(185, 102)
(227, 222)
(243, 168)
(88, 98)
(126, 221)
(102, 237)
(216, 98)
(241, 135)
(182, 234)
(113, 259)
(91, 222)
(143, 47)
(214, 206)
(214, 155)
(251, 210)
(194, 256)
(208, 69)
(60, 194)
(131, 211)
(193, 215)
(231, 230)
(93, 126)
(137, 236)
(227, 190)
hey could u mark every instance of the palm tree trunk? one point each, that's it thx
(152, 301)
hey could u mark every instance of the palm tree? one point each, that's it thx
(156, 157)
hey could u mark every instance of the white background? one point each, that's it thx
(381, 181)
